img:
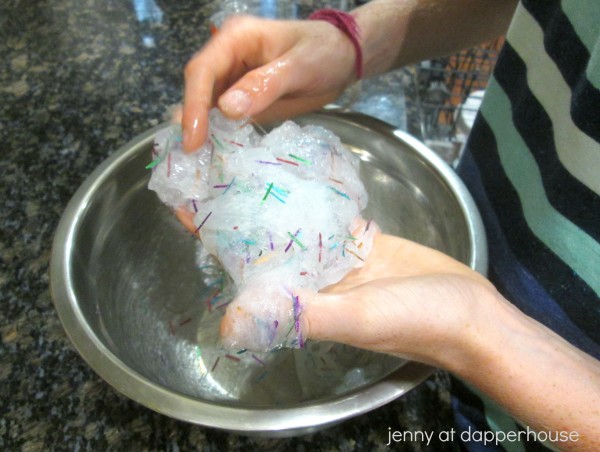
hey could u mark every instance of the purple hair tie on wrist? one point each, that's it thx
(346, 23)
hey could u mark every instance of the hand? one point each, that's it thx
(417, 303)
(255, 66)
(407, 300)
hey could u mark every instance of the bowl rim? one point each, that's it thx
(270, 421)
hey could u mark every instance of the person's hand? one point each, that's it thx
(408, 300)
(267, 69)
(420, 304)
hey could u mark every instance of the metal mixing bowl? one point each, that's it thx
(123, 268)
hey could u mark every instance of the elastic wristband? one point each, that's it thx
(346, 23)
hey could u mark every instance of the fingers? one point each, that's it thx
(303, 78)
(186, 218)
(197, 102)
(397, 257)
(254, 66)
(257, 90)
(264, 316)
(285, 108)
(222, 59)
(252, 94)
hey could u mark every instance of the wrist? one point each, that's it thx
(496, 334)
(346, 23)
(485, 321)
(382, 24)
(532, 372)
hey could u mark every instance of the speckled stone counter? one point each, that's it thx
(78, 79)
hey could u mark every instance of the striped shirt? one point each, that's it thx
(532, 163)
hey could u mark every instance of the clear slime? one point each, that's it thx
(280, 212)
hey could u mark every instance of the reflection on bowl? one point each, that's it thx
(129, 295)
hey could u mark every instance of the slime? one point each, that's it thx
(280, 212)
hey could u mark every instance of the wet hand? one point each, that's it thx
(264, 69)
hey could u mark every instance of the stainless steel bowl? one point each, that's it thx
(122, 269)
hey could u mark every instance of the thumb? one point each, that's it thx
(349, 317)
(426, 318)
(260, 88)
(400, 316)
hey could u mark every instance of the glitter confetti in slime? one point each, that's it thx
(281, 212)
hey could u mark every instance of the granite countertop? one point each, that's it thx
(78, 80)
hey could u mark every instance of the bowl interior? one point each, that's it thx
(132, 276)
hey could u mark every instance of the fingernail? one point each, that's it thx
(235, 103)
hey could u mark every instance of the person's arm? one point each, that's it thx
(282, 68)
(428, 307)
(395, 33)
(543, 380)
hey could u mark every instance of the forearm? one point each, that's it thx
(537, 376)
(399, 32)
(418, 303)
